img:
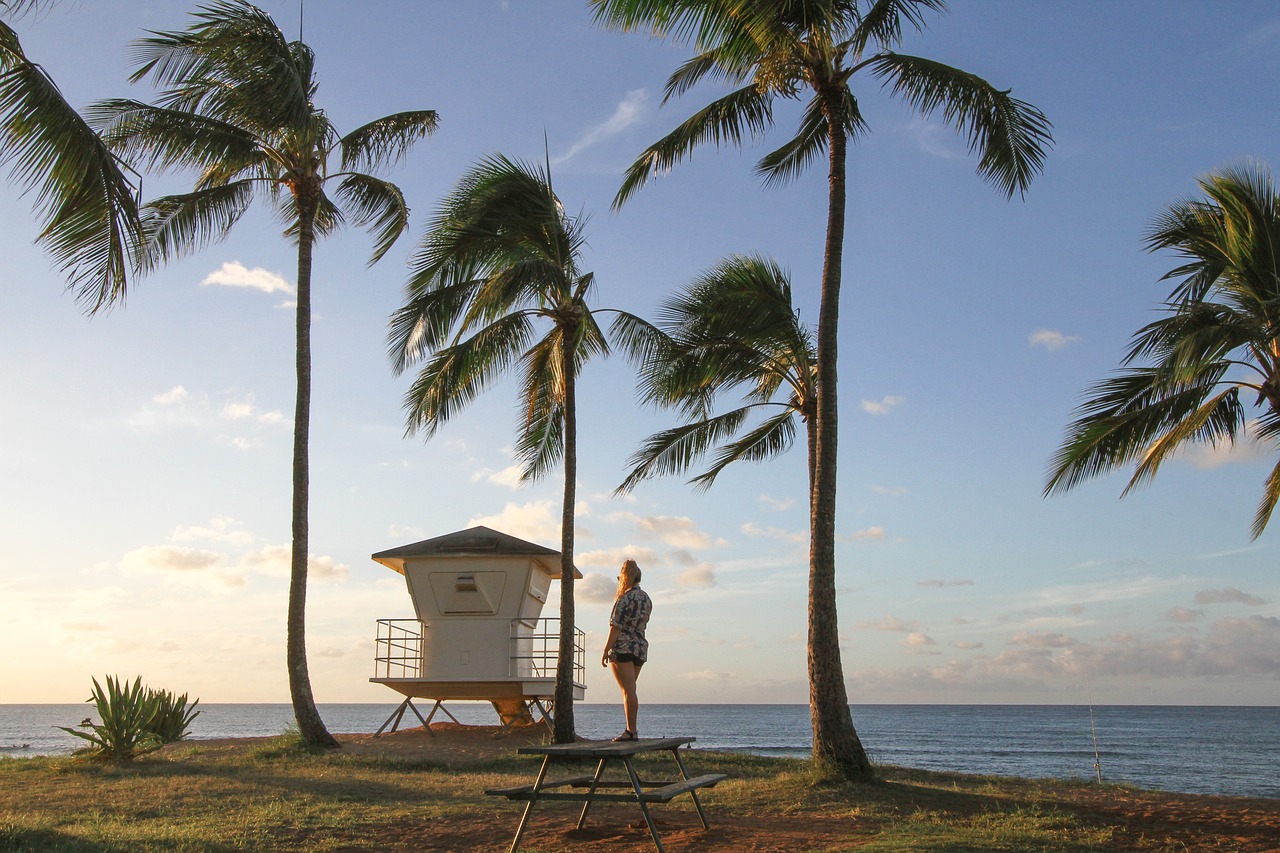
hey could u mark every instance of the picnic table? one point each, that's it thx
(599, 789)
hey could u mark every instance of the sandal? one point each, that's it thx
(625, 736)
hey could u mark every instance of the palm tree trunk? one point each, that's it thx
(310, 726)
(835, 742)
(564, 729)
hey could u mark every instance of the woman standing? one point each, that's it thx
(626, 650)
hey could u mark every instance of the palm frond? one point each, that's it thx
(1121, 417)
(640, 340)
(501, 213)
(1267, 505)
(387, 140)
(158, 138)
(179, 225)
(1011, 135)
(90, 221)
(540, 435)
(1231, 237)
(727, 120)
(676, 450)
(424, 322)
(723, 64)
(1218, 419)
(234, 63)
(327, 221)
(771, 438)
(881, 25)
(1195, 334)
(376, 204)
(702, 23)
(786, 163)
(456, 374)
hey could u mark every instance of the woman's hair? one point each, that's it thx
(628, 577)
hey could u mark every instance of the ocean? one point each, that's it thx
(1202, 750)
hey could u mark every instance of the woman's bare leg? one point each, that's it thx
(626, 675)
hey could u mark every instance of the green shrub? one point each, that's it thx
(173, 715)
(124, 733)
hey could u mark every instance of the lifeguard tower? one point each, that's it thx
(479, 635)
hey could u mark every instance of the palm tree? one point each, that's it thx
(240, 109)
(500, 260)
(86, 202)
(732, 327)
(771, 50)
(1219, 336)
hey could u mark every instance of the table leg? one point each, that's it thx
(684, 774)
(644, 807)
(595, 780)
(524, 818)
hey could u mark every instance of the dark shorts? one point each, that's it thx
(619, 657)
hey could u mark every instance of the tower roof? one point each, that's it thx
(473, 542)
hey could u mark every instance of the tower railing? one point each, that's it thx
(398, 648)
(534, 649)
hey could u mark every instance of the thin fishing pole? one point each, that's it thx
(1097, 759)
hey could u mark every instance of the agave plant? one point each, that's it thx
(127, 711)
(173, 715)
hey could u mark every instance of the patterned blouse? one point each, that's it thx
(630, 616)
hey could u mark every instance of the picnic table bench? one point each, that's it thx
(598, 789)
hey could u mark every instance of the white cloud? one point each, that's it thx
(1229, 648)
(710, 675)
(891, 491)
(915, 638)
(884, 406)
(629, 111)
(534, 522)
(1043, 640)
(169, 558)
(871, 534)
(594, 587)
(1209, 456)
(176, 394)
(180, 408)
(181, 565)
(700, 576)
(612, 558)
(1050, 339)
(237, 410)
(276, 560)
(934, 139)
(938, 582)
(890, 624)
(1182, 615)
(235, 274)
(396, 531)
(779, 504)
(326, 569)
(1229, 595)
(966, 644)
(509, 476)
(752, 529)
(220, 529)
(676, 531)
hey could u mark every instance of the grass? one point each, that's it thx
(274, 795)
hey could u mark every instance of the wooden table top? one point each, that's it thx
(606, 748)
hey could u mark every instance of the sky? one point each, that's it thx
(145, 453)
